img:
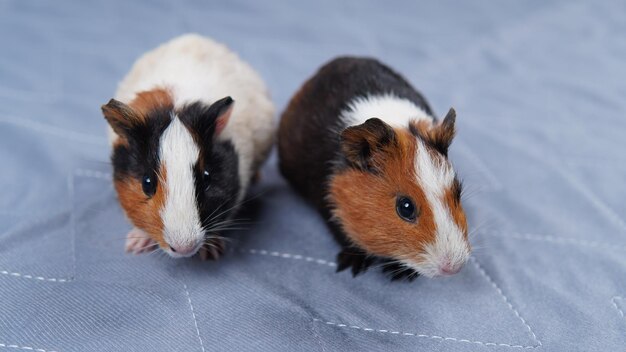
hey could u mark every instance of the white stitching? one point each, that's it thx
(28, 348)
(480, 269)
(555, 239)
(288, 256)
(614, 301)
(432, 337)
(34, 277)
(70, 191)
(193, 314)
(40, 278)
(506, 300)
(77, 172)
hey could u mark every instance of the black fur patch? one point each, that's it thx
(398, 272)
(216, 194)
(360, 143)
(309, 142)
(141, 156)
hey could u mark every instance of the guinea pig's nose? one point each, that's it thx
(182, 250)
(448, 269)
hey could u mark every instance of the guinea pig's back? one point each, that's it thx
(195, 68)
(310, 127)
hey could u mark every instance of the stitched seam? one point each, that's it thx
(193, 315)
(506, 300)
(77, 172)
(480, 269)
(555, 239)
(37, 277)
(432, 337)
(619, 310)
(288, 256)
(72, 222)
(33, 277)
(318, 338)
(27, 348)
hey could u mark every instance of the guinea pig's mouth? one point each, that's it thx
(183, 251)
(432, 263)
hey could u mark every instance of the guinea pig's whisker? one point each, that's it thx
(226, 224)
(230, 221)
(470, 191)
(228, 228)
(211, 217)
(238, 204)
(479, 228)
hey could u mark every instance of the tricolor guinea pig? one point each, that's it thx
(190, 125)
(364, 147)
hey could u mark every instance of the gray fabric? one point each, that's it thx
(540, 93)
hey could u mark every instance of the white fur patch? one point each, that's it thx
(436, 175)
(181, 218)
(196, 68)
(396, 112)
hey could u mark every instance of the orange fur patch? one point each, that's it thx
(143, 211)
(150, 100)
(366, 203)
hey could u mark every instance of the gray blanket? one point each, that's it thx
(540, 91)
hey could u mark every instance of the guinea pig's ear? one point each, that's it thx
(360, 144)
(120, 116)
(221, 111)
(441, 136)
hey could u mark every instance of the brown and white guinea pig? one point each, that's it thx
(363, 145)
(190, 125)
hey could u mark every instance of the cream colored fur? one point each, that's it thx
(196, 68)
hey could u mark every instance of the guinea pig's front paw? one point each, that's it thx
(212, 249)
(355, 258)
(397, 271)
(138, 241)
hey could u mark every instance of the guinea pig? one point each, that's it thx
(364, 147)
(189, 126)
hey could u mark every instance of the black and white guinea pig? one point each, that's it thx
(363, 145)
(190, 125)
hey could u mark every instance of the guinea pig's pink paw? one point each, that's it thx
(138, 241)
(212, 250)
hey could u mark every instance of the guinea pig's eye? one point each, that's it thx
(406, 209)
(148, 183)
(206, 176)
